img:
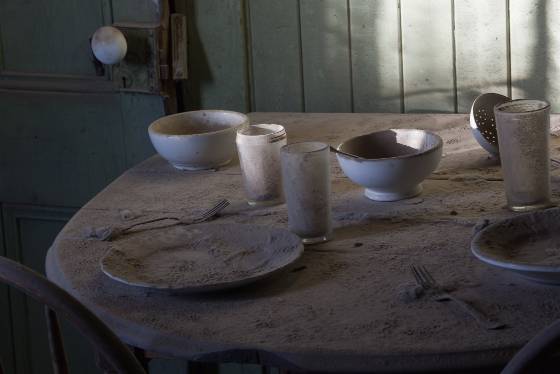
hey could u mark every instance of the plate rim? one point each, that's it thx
(297, 254)
(478, 251)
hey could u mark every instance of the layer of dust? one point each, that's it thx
(532, 239)
(354, 295)
(200, 255)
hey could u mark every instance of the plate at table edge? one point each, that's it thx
(294, 255)
(549, 274)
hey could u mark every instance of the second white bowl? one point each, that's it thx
(392, 163)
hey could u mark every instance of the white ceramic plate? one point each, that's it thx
(199, 258)
(527, 244)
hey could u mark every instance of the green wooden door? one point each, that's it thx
(66, 131)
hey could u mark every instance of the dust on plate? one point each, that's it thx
(201, 257)
(528, 244)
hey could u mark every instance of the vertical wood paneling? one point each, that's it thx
(326, 56)
(218, 63)
(535, 47)
(428, 56)
(375, 55)
(276, 52)
(442, 69)
(481, 49)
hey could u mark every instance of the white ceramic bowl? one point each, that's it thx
(392, 163)
(202, 139)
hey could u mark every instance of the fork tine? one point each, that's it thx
(224, 203)
(417, 276)
(215, 209)
(428, 275)
(430, 281)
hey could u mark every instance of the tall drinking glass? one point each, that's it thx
(523, 138)
(307, 190)
(259, 155)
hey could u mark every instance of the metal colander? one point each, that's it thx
(482, 120)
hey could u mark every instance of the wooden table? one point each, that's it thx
(347, 305)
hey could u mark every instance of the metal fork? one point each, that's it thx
(428, 283)
(109, 233)
(205, 216)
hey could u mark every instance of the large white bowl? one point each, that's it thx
(202, 139)
(392, 163)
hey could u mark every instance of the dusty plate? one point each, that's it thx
(528, 245)
(204, 257)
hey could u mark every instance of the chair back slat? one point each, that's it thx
(104, 341)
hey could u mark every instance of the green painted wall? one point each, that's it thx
(370, 55)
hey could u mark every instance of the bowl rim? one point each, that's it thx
(152, 130)
(435, 148)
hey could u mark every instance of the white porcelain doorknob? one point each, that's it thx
(108, 45)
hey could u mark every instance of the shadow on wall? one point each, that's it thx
(349, 63)
(537, 82)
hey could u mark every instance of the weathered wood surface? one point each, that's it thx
(427, 45)
(535, 71)
(218, 56)
(276, 56)
(341, 308)
(481, 50)
(179, 42)
(365, 56)
(376, 76)
(326, 56)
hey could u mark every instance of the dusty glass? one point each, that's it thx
(523, 137)
(259, 147)
(307, 190)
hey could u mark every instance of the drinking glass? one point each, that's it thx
(307, 190)
(523, 138)
(259, 155)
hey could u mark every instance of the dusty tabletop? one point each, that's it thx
(349, 302)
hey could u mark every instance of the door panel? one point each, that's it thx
(138, 111)
(58, 148)
(143, 11)
(62, 148)
(49, 37)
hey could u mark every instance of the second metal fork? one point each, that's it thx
(428, 283)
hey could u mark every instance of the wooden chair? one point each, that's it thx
(537, 356)
(108, 346)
